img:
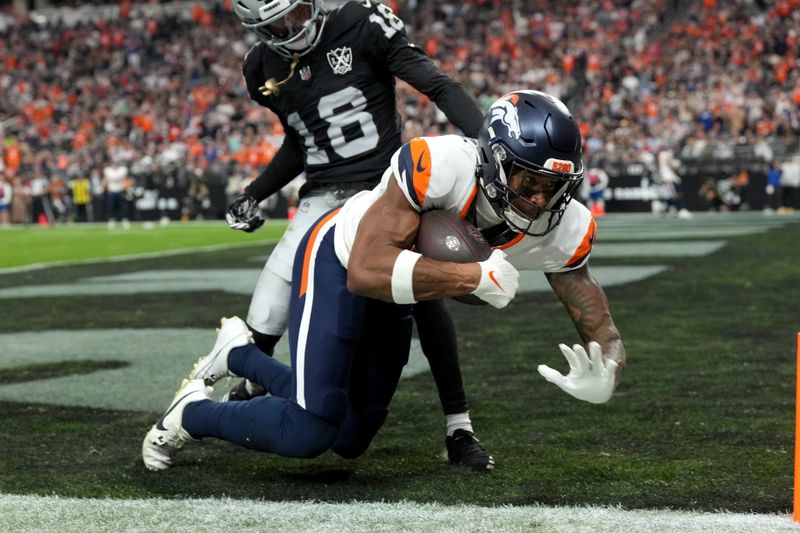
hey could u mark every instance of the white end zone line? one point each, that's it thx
(56, 514)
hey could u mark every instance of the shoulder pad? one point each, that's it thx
(370, 19)
(357, 9)
(352, 13)
(260, 63)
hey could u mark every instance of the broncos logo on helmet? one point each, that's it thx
(505, 110)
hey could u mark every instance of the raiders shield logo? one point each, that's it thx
(341, 60)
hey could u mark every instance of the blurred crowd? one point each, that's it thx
(153, 91)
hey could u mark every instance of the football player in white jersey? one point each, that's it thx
(356, 275)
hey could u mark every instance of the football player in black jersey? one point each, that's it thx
(329, 77)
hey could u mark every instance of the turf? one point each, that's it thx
(31, 245)
(703, 419)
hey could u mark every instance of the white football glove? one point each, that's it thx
(590, 381)
(243, 214)
(499, 280)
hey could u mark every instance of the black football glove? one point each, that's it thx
(243, 214)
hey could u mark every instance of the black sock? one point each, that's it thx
(438, 339)
(265, 343)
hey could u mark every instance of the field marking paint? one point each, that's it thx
(243, 281)
(655, 234)
(233, 280)
(698, 218)
(64, 515)
(146, 255)
(608, 276)
(608, 250)
(158, 359)
(704, 226)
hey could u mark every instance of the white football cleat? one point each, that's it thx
(233, 332)
(167, 435)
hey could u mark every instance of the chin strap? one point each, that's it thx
(272, 86)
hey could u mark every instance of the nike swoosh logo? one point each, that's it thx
(160, 423)
(491, 277)
(420, 168)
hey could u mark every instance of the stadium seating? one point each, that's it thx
(158, 86)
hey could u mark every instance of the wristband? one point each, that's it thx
(402, 277)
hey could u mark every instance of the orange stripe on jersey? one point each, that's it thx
(585, 247)
(421, 156)
(463, 213)
(511, 243)
(309, 247)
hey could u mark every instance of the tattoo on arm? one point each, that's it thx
(587, 306)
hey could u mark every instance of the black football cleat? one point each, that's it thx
(465, 450)
(239, 393)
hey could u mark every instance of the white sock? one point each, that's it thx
(458, 421)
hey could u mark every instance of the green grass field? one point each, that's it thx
(90, 353)
(24, 246)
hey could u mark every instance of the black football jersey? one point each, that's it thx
(339, 105)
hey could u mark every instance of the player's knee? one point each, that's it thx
(313, 445)
(351, 450)
(355, 436)
(316, 436)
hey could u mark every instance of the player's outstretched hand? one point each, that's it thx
(588, 380)
(499, 280)
(243, 214)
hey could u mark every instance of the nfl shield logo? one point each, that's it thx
(341, 60)
(305, 73)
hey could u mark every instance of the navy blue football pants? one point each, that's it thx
(347, 355)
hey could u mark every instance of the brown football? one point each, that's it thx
(445, 236)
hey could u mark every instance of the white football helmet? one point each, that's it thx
(290, 27)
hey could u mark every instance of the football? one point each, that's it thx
(445, 236)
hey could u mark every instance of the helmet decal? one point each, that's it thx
(559, 165)
(505, 111)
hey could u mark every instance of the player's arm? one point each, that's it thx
(411, 65)
(587, 306)
(284, 167)
(287, 163)
(592, 377)
(388, 228)
(382, 265)
(288, 160)
(242, 213)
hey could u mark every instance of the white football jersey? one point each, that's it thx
(440, 173)
(115, 176)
